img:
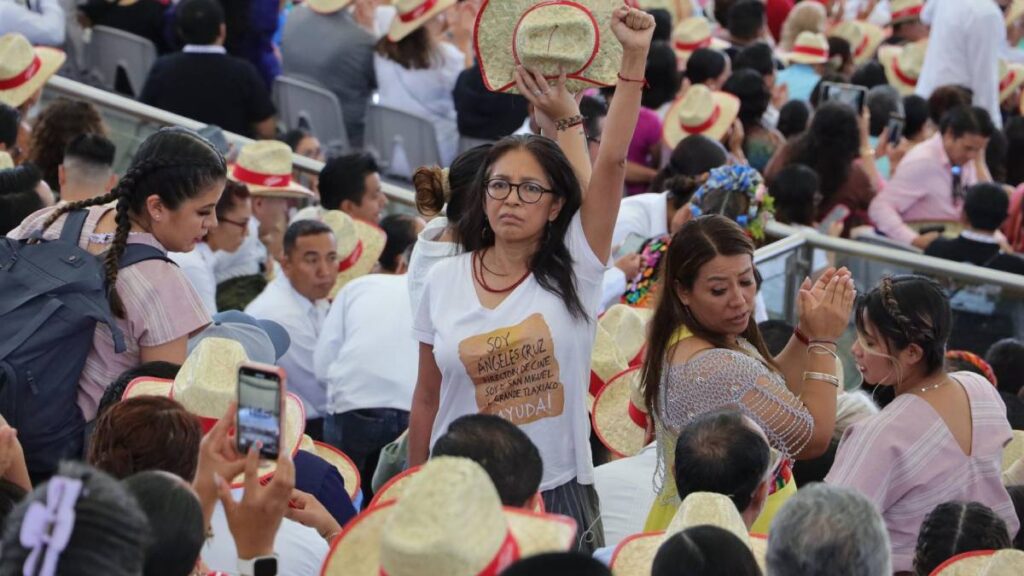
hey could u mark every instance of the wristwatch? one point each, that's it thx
(258, 566)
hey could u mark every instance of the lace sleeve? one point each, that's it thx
(719, 378)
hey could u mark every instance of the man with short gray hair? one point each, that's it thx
(828, 531)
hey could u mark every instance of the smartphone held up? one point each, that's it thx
(261, 391)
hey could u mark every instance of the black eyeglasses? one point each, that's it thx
(242, 225)
(528, 192)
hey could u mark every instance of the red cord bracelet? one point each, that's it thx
(641, 81)
(801, 337)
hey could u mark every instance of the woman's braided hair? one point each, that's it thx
(954, 528)
(174, 164)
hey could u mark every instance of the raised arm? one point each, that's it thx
(552, 103)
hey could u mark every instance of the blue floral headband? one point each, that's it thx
(739, 179)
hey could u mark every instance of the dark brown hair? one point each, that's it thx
(58, 124)
(414, 52)
(146, 433)
(698, 242)
(234, 194)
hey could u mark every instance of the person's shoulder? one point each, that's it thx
(1012, 263)
(941, 247)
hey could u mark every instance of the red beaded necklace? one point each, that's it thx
(478, 275)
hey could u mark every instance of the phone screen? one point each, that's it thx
(839, 213)
(895, 130)
(631, 245)
(845, 93)
(259, 411)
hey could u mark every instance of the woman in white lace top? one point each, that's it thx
(705, 353)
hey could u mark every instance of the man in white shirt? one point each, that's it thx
(297, 300)
(41, 21)
(967, 39)
(626, 490)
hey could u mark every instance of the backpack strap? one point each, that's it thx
(73, 225)
(135, 253)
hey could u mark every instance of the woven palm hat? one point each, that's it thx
(24, 69)
(1011, 76)
(448, 521)
(1014, 12)
(634, 556)
(864, 38)
(327, 6)
(700, 111)
(265, 167)
(983, 563)
(208, 382)
(904, 10)
(411, 14)
(903, 65)
(618, 344)
(359, 246)
(692, 34)
(548, 37)
(1014, 450)
(620, 416)
(678, 9)
(339, 460)
(6, 162)
(394, 488)
(808, 48)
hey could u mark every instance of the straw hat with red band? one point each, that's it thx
(619, 415)
(983, 563)
(903, 65)
(207, 384)
(904, 11)
(1014, 12)
(634, 556)
(411, 14)
(448, 521)
(692, 34)
(24, 69)
(678, 9)
(864, 38)
(327, 6)
(1011, 76)
(808, 48)
(339, 460)
(548, 37)
(394, 488)
(618, 344)
(700, 111)
(359, 246)
(1014, 450)
(265, 167)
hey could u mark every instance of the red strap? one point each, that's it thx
(902, 75)
(352, 258)
(811, 51)
(417, 11)
(637, 416)
(906, 12)
(20, 79)
(595, 383)
(506, 555)
(703, 125)
(1007, 80)
(691, 46)
(260, 179)
(860, 48)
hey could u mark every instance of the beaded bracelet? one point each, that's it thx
(566, 123)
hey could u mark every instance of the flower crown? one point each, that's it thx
(739, 179)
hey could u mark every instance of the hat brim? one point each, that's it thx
(327, 6)
(875, 36)
(401, 29)
(611, 420)
(801, 58)
(716, 44)
(673, 132)
(343, 464)
(966, 564)
(51, 59)
(356, 552)
(634, 556)
(1018, 79)
(394, 488)
(373, 239)
(492, 43)
(291, 438)
(887, 56)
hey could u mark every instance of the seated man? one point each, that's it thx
(985, 209)
(350, 183)
(828, 530)
(297, 300)
(204, 83)
(928, 183)
(505, 452)
(88, 168)
(42, 22)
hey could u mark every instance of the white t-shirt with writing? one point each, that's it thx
(528, 360)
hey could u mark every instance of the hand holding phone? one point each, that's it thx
(895, 127)
(849, 94)
(838, 213)
(260, 397)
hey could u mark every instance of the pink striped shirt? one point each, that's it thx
(906, 461)
(160, 306)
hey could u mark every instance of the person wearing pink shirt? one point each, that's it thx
(928, 184)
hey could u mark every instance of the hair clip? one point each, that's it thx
(46, 528)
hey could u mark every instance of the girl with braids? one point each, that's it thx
(167, 200)
(941, 439)
(954, 528)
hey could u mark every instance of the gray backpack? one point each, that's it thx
(52, 294)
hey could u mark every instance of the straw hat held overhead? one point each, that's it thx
(265, 167)
(700, 111)
(24, 69)
(547, 37)
(809, 48)
(448, 520)
(693, 34)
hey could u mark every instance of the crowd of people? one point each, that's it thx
(565, 363)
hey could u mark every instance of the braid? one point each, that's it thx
(72, 206)
(892, 306)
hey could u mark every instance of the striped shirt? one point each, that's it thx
(160, 306)
(907, 462)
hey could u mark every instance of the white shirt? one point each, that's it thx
(300, 550)
(426, 93)
(527, 360)
(966, 41)
(644, 215)
(42, 21)
(626, 490)
(303, 320)
(246, 260)
(428, 251)
(198, 266)
(366, 354)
